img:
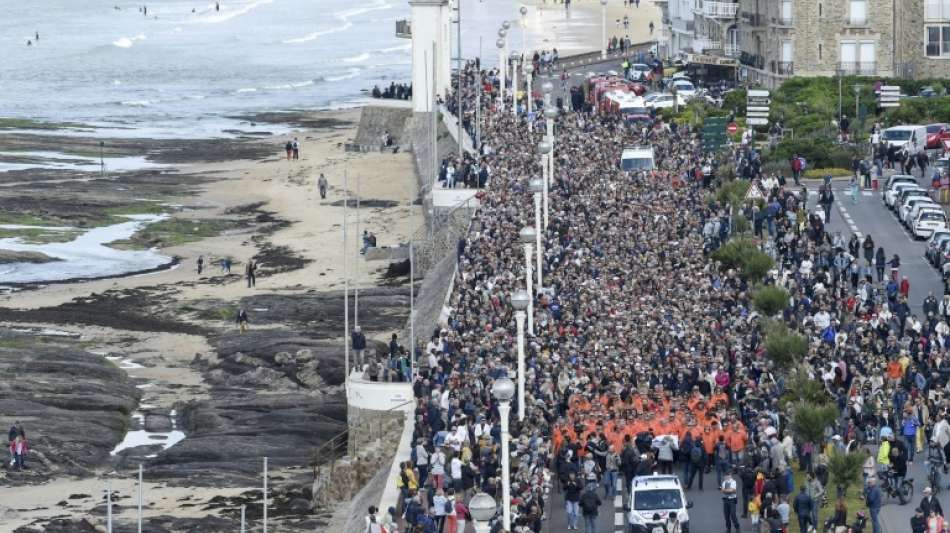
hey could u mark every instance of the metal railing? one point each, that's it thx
(701, 45)
(782, 21)
(785, 68)
(720, 9)
(857, 68)
(731, 50)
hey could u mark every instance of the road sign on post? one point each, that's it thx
(714, 133)
(757, 107)
(732, 128)
(890, 96)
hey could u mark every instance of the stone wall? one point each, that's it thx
(912, 58)
(375, 120)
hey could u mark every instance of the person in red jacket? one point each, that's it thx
(905, 287)
(19, 449)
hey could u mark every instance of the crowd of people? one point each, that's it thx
(646, 353)
(395, 91)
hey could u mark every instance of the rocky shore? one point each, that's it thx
(108, 374)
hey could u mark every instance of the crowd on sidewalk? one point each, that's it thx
(634, 313)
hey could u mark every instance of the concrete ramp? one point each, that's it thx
(375, 120)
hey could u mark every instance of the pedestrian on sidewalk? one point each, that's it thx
(872, 497)
(572, 498)
(250, 272)
(853, 185)
(296, 148)
(201, 263)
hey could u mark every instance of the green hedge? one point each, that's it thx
(818, 153)
(770, 300)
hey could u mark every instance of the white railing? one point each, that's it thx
(701, 45)
(720, 9)
(731, 50)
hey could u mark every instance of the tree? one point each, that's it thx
(784, 347)
(756, 265)
(845, 469)
(801, 388)
(770, 300)
(743, 255)
(732, 193)
(809, 421)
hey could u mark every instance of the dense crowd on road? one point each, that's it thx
(641, 331)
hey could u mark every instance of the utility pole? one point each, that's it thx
(356, 276)
(265, 495)
(102, 159)
(109, 506)
(458, 65)
(346, 286)
(140, 498)
(412, 313)
(478, 98)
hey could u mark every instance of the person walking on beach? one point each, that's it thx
(289, 147)
(296, 147)
(11, 437)
(201, 263)
(322, 185)
(217, 7)
(242, 320)
(250, 272)
(226, 265)
(19, 449)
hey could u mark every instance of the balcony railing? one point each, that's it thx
(782, 21)
(751, 60)
(852, 20)
(784, 68)
(726, 10)
(701, 45)
(857, 68)
(731, 50)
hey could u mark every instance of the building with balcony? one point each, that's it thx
(875, 38)
(716, 27)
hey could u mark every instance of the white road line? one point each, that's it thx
(618, 519)
(618, 501)
(867, 193)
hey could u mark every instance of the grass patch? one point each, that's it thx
(174, 232)
(17, 343)
(27, 219)
(27, 123)
(853, 499)
(39, 235)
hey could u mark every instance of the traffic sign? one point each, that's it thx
(890, 96)
(757, 107)
(732, 128)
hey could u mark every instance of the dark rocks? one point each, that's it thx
(60, 525)
(158, 423)
(73, 405)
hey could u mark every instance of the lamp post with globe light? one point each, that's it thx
(550, 113)
(603, 29)
(536, 186)
(503, 390)
(514, 85)
(500, 43)
(527, 236)
(524, 27)
(529, 71)
(520, 300)
(482, 508)
(544, 148)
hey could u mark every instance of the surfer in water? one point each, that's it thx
(29, 42)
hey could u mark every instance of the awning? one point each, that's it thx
(701, 59)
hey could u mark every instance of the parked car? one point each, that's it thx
(665, 101)
(891, 195)
(684, 88)
(638, 72)
(928, 221)
(911, 137)
(914, 206)
(928, 92)
(894, 179)
(907, 194)
(935, 245)
(936, 133)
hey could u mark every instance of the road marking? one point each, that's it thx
(618, 519)
(867, 193)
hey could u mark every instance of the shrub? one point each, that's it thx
(735, 101)
(809, 421)
(770, 300)
(732, 192)
(819, 173)
(784, 347)
(802, 388)
(845, 469)
(741, 225)
(741, 254)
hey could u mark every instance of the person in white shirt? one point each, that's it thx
(437, 468)
(455, 471)
(822, 319)
(730, 502)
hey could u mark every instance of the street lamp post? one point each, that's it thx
(527, 236)
(528, 71)
(514, 85)
(603, 29)
(536, 186)
(520, 300)
(500, 43)
(524, 27)
(544, 148)
(503, 390)
(550, 113)
(482, 508)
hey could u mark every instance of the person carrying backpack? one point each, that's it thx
(723, 459)
(697, 463)
(590, 504)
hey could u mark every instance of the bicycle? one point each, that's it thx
(904, 492)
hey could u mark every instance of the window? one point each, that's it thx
(787, 11)
(937, 10)
(858, 12)
(938, 40)
(848, 52)
(786, 51)
(819, 51)
(819, 9)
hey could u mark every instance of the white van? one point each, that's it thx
(637, 159)
(914, 138)
(656, 495)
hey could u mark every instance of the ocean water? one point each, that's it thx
(179, 72)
